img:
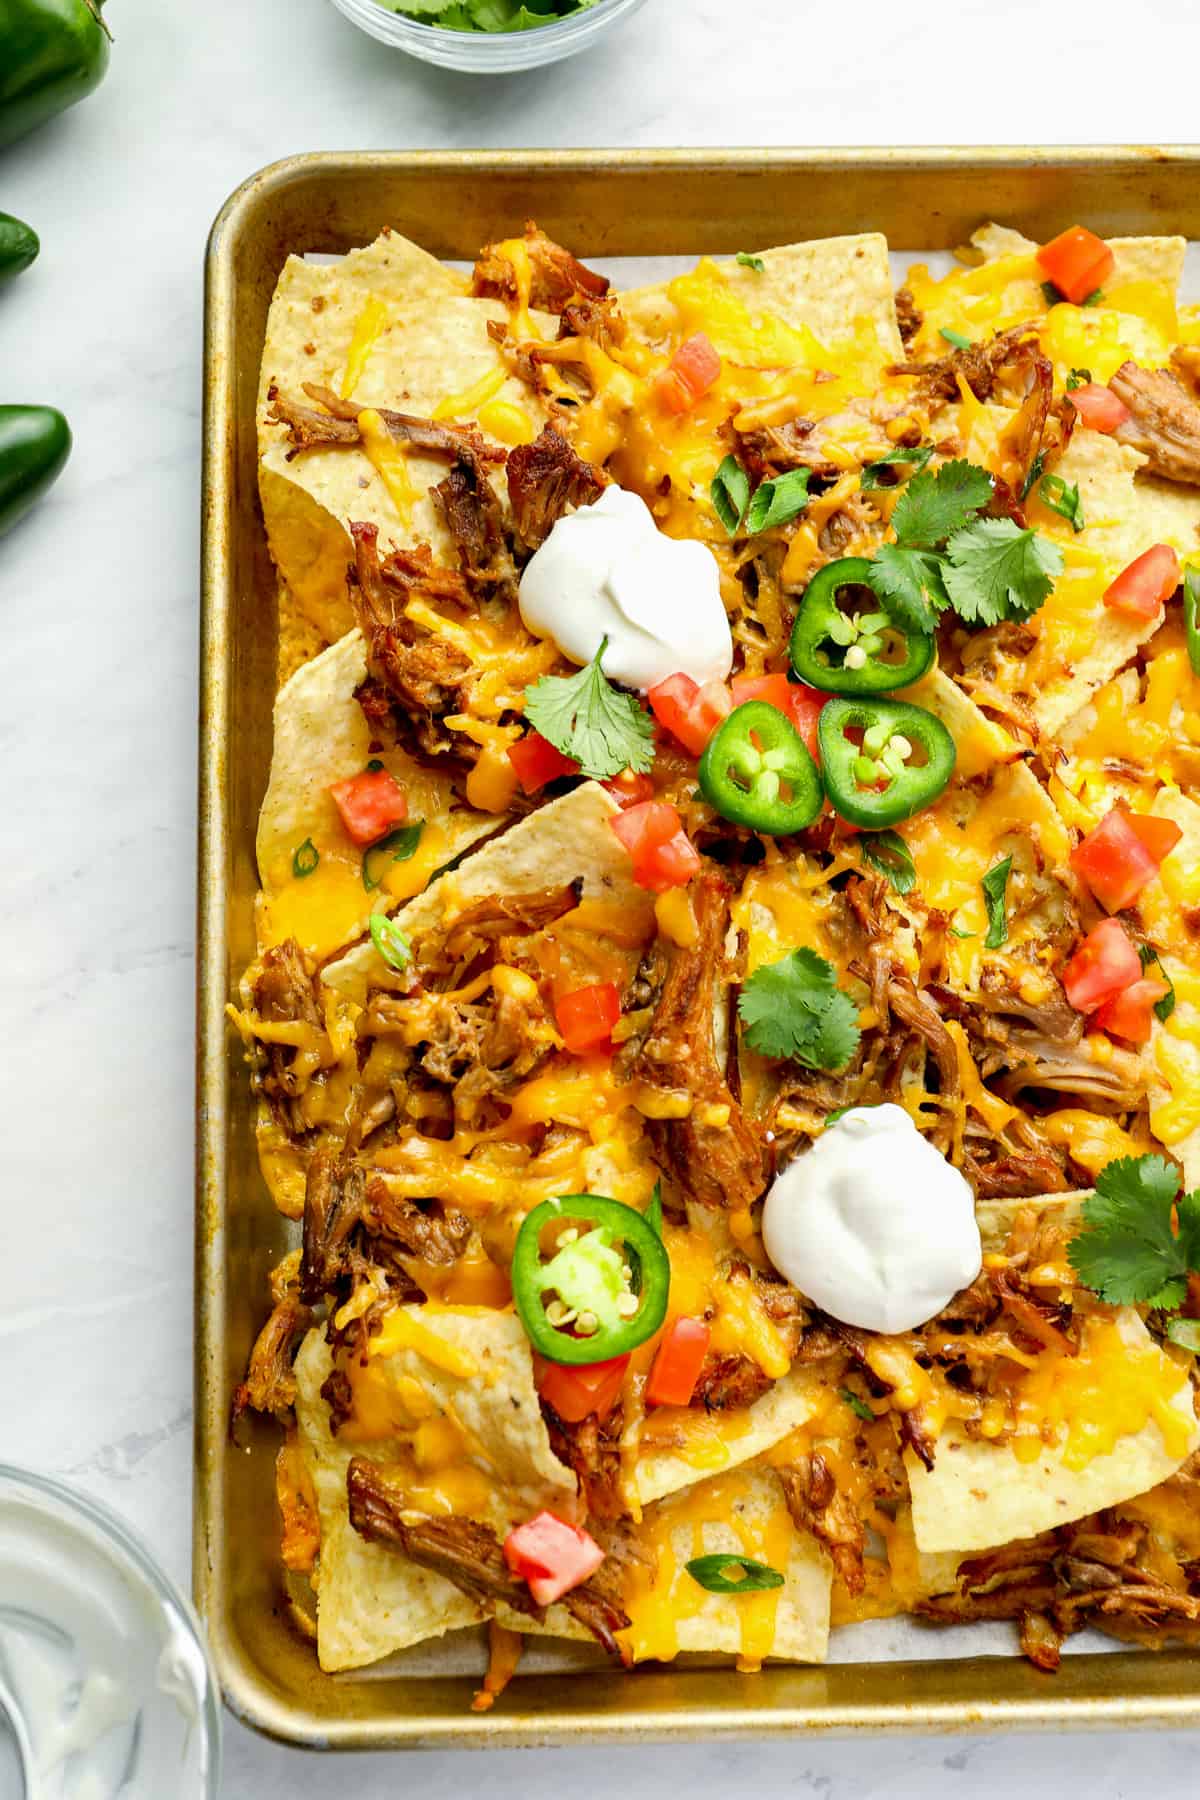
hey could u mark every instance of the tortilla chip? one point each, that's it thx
(423, 344)
(320, 737)
(566, 840)
(1175, 1046)
(1158, 259)
(834, 286)
(741, 1514)
(372, 1600)
(978, 1494)
(726, 1440)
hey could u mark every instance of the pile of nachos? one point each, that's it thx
(559, 974)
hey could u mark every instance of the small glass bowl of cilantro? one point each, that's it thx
(488, 37)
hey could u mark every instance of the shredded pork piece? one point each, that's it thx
(416, 678)
(544, 479)
(1164, 422)
(714, 1154)
(270, 1384)
(557, 277)
(592, 1450)
(729, 1379)
(436, 1233)
(908, 316)
(816, 1506)
(334, 1198)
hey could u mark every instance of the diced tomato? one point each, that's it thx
(629, 788)
(678, 1363)
(537, 761)
(663, 854)
(689, 712)
(1104, 965)
(1144, 587)
(1077, 262)
(1122, 854)
(577, 1390)
(1131, 1014)
(802, 705)
(1098, 407)
(552, 1556)
(689, 375)
(370, 804)
(586, 1017)
(1158, 836)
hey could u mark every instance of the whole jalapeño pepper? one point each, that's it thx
(18, 246)
(35, 442)
(590, 1278)
(52, 53)
(756, 771)
(848, 652)
(883, 760)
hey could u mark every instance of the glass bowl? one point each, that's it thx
(106, 1687)
(489, 52)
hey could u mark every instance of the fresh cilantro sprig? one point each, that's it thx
(874, 473)
(586, 718)
(1128, 1252)
(795, 1011)
(487, 15)
(946, 555)
(1150, 959)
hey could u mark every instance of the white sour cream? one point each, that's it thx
(607, 571)
(873, 1224)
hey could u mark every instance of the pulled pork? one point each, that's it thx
(908, 316)
(416, 678)
(544, 478)
(557, 276)
(282, 993)
(334, 1199)
(731, 1379)
(592, 1450)
(816, 1506)
(1163, 422)
(713, 1154)
(1102, 1571)
(270, 1384)
(469, 1554)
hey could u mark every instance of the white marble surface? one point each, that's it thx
(98, 615)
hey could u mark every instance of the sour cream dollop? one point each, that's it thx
(873, 1224)
(606, 570)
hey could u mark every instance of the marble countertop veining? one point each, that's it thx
(98, 627)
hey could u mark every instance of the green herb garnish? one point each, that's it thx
(487, 15)
(888, 852)
(794, 1010)
(731, 1574)
(995, 898)
(1128, 1252)
(1063, 497)
(751, 262)
(390, 941)
(305, 858)
(396, 847)
(959, 339)
(778, 500)
(587, 718)
(872, 475)
(730, 494)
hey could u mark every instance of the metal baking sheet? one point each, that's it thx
(605, 205)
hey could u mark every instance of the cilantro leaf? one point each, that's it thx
(730, 494)
(936, 505)
(1063, 497)
(1149, 958)
(1127, 1252)
(996, 570)
(751, 262)
(995, 897)
(794, 1010)
(910, 584)
(588, 719)
(888, 852)
(872, 475)
(778, 500)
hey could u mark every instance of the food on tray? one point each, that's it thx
(726, 1016)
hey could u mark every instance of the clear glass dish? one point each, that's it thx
(105, 1683)
(489, 52)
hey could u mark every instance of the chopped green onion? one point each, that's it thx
(1035, 469)
(958, 338)
(857, 1406)
(751, 262)
(730, 494)
(731, 1574)
(1185, 1333)
(778, 500)
(1191, 605)
(1077, 378)
(305, 858)
(1050, 293)
(398, 846)
(390, 941)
